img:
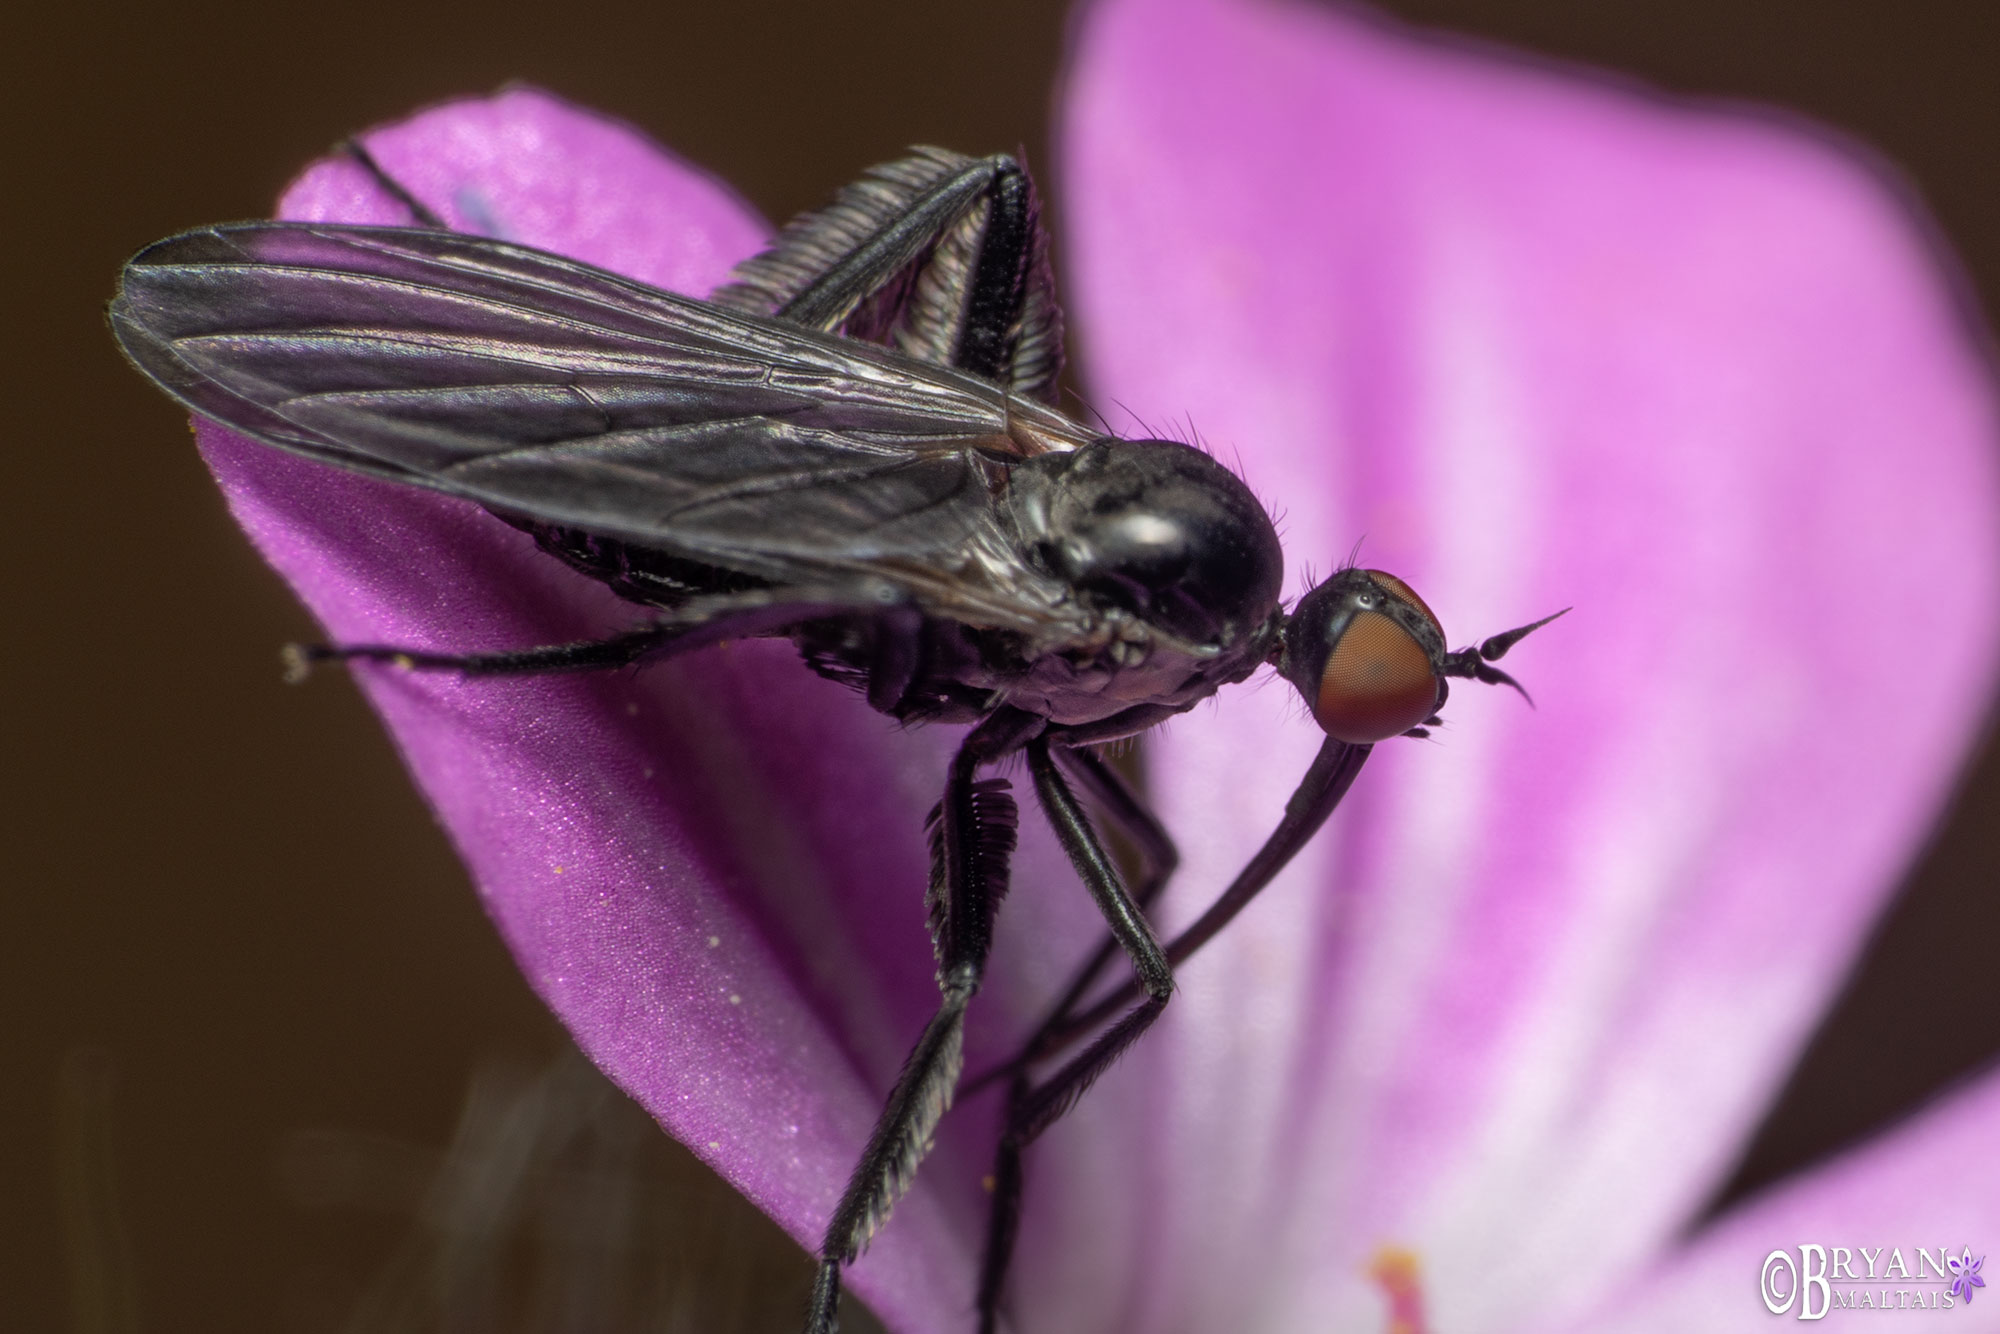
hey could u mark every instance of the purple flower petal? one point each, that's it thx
(712, 870)
(1934, 1178)
(1542, 343)
(1539, 341)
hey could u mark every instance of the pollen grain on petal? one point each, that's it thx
(1394, 1269)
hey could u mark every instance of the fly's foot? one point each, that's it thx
(297, 661)
(300, 659)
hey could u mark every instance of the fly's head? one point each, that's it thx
(1157, 529)
(1371, 661)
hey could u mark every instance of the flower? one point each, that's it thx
(1496, 1035)
(1965, 1271)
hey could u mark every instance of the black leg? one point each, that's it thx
(586, 655)
(875, 259)
(1129, 928)
(972, 838)
(697, 623)
(1332, 772)
(394, 188)
(1033, 1108)
(999, 287)
(1127, 811)
(1117, 804)
(1003, 1223)
(1122, 807)
(1318, 793)
(938, 255)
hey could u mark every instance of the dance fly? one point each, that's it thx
(853, 445)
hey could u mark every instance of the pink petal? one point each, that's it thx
(1539, 341)
(713, 869)
(1934, 1183)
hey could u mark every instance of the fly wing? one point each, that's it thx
(547, 389)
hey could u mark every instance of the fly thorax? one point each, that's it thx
(1153, 529)
(1117, 638)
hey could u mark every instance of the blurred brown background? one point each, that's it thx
(223, 893)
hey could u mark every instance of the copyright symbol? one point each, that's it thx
(1779, 1282)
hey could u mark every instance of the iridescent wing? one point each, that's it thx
(551, 391)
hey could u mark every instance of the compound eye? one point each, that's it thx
(1378, 682)
(1398, 589)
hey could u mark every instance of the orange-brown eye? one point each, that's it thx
(1378, 681)
(1402, 590)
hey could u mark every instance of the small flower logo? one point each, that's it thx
(1966, 1271)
